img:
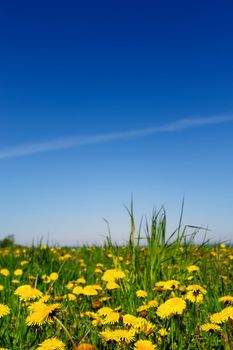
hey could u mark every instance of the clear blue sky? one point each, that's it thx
(76, 78)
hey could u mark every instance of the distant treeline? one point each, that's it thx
(8, 241)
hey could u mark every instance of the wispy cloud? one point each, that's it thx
(72, 142)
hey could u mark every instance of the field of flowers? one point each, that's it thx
(161, 296)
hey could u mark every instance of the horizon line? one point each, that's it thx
(83, 140)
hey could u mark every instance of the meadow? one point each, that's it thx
(152, 293)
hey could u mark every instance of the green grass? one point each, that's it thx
(161, 259)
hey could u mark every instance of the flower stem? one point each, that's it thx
(67, 332)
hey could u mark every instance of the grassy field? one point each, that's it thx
(168, 294)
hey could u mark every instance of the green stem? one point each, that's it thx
(67, 332)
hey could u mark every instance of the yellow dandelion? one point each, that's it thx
(166, 285)
(18, 272)
(46, 279)
(222, 316)
(44, 299)
(104, 299)
(144, 326)
(107, 335)
(118, 335)
(196, 288)
(4, 310)
(1, 287)
(42, 313)
(70, 285)
(27, 292)
(144, 345)
(98, 270)
(113, 274)
(143, 308)
(65, 257)
(81, 280)
(99, 265)
(173, 306)
(52, 344)
(70, 297)
(194, 296)
(78, 290)
(208, 327)
(15, 281)
(96, 286)
(111, 318)
(4, 272)
(53, 276)
(103, 311)
(89, 290)
(129, 320)
(152, 304)
(163, 332)
(226, 299)
(112, 285)
(91, 314)
(141, 293)
(193, 268)
(24, 262)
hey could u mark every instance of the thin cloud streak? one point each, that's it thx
(72, 142)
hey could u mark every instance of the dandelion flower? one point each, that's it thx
(194, 296)
(173, 306)
(193, 268)
(27, 292)
(53, 276)
(222, 316)
(112, 285)
(143, 308)
(4, 272)
(226, 299)
(113, 274)
(42, 313)
(103, 311)
(78, 290)
(208, 327)
(81, 280)
(18, 272)
(46, 279)
(112, 317)
(118, 335)
(52, 344)
(144, 326)
(152, 303)
(163, 332)
(144, 345)
(167, 285)
(98, 270)
(197, 288)
(15, 281)
(70, 297)
(89, 290)
(4, 310)
(141, 293)
(70, 285)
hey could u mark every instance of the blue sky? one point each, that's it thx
(99, 100)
